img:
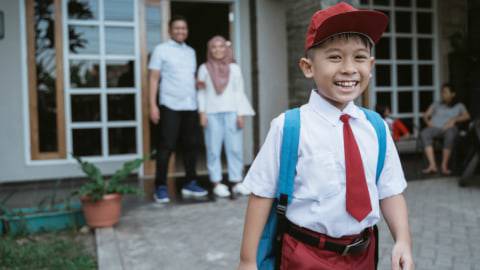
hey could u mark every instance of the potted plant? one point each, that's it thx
(100, 197)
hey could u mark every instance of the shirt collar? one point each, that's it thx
(174, 43)
(328, 111)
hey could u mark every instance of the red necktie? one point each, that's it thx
(357, 196)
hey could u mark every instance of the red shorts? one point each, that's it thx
(297, 255)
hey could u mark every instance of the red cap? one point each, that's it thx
(343, 18)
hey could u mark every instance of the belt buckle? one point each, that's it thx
(352, 245)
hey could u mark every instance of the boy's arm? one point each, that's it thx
(427, 115)
(394, 210)
(258, 210)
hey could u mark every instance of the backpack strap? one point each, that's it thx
(289, 153)
(288, 163)
(378, 124)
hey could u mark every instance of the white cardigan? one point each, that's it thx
(233, 98)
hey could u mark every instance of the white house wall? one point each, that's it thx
(272, 61)
(15, 164)
(242, 33)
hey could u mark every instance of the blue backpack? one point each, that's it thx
(269, 247)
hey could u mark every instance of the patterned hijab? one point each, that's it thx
(219, 69)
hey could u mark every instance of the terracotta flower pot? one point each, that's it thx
(103, 213)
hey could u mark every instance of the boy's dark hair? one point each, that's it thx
(453, 91)
(342, 36)
(449, 86)
(381, 109)
(175, 18)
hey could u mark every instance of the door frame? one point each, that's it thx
(164, 6)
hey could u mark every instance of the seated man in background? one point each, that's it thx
(441, 119)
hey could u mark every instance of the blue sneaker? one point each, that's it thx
(192, 189)
(161, 195)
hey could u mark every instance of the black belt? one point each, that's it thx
(358, 246)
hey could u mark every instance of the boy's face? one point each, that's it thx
(447, 94)
(340, 68)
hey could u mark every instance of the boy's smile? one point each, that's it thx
(340, 68)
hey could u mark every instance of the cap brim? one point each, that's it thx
(367, 22)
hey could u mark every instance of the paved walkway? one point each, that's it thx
(445, 222)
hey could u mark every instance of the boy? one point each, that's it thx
(336, 201)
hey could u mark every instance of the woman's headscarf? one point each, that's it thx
(219, 69)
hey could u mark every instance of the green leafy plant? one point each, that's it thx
(97, 186)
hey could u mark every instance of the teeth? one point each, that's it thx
(346, 83)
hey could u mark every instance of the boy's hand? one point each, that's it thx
(402, 257)
(449, 124)
(247, 266)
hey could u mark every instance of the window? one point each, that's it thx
(102, 92)
(45, 62)
(406, 64)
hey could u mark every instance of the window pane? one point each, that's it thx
(122, 141)
(424, 3)
(382, 49)
(404, 48)
(382, 75)
(87, 142)
(85, 108)
(118, 10)
(424, 22)
(403, 3)
(83, 9)
(425, 74)
(404, 75)
(405, 102)
(403, 21)
(120, 73)
(363, 2)
(83, 39)
(154, 26)
(84, 73)
(46, 75)
(121, 107)
(384, 99)
(425, 49)
(426, 98)
(119, 40)
(381, 2)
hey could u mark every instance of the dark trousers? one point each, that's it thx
(181, 127)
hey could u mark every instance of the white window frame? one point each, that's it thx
(414, 62)
(103, 91)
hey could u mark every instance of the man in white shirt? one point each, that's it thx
(173, 63)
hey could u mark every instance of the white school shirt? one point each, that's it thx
(177, 64)
(232, 99)
(318, 201)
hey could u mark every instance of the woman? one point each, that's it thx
(222, 106)
(441, 119)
